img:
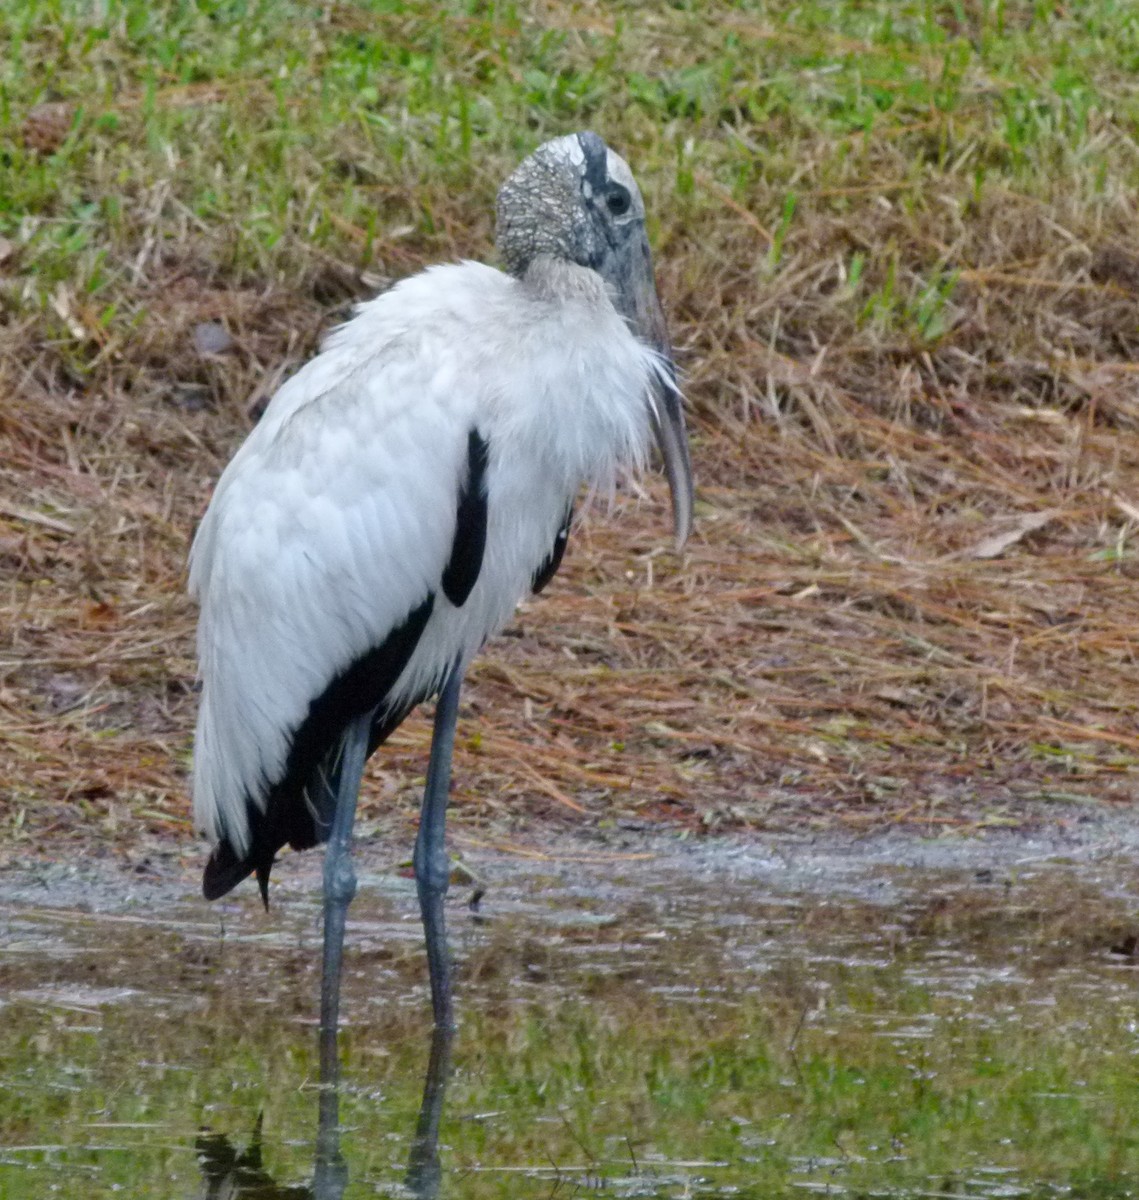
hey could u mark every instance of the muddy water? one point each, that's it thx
(639, 1018)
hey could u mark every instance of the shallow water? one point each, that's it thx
(891, 1018)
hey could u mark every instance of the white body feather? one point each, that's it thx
(337, 516)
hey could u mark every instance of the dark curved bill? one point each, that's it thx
(672, 438)
(631, 273)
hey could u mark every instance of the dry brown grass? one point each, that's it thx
(830, 646)
(910, 595)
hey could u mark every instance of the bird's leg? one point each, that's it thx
(423, 1169)
(339, 888)
(432, 870)
(330, 1171)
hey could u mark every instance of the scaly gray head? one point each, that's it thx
(577, 200)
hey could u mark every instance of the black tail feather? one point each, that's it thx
(263, 870)
(294, 818)
(226, 868)
(225, 871)
(299, 808)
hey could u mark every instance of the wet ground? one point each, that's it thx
(638, 1018)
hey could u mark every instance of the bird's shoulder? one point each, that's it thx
(443, 303)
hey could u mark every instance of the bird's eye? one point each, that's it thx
(617, 200)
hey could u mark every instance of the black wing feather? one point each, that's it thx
(553, 560)
(462, 570)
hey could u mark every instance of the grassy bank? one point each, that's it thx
(897, 244)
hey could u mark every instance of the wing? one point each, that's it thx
(358, 500)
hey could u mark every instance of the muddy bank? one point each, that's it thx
(870, 866)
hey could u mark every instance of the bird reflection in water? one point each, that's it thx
(230, 1175)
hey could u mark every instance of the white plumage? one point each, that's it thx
(401, 494)
(337, 515)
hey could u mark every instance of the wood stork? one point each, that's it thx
(402, 492)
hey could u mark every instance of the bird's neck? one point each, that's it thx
(548, 277)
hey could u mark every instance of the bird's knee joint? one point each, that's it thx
(434, 874)
(340, 881)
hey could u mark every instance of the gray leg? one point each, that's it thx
(432, 869)
(330, 1171)
(339, 888)
(424, 1172)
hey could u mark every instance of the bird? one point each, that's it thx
(400, 495)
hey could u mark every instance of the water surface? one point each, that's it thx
(639, 1019)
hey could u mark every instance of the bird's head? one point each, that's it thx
(575, 199)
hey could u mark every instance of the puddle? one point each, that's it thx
(884, 1018)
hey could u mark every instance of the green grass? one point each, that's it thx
(259, 135)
